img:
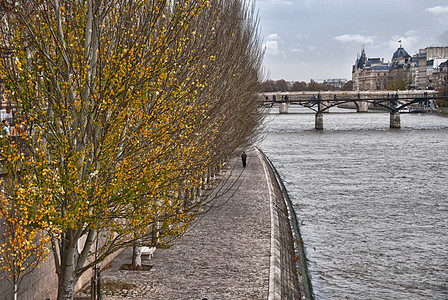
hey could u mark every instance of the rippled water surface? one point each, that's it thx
(372, 201)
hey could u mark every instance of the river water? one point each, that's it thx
(371, 201)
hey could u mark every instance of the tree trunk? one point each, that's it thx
(136, 257)
(66, 286)
(67, 278)
(209, 171)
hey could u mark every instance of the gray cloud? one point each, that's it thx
(348, 38)
(443, 38)
(410, 38)
(271, 45)
(438, 10)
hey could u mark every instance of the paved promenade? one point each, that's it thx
(234, 251)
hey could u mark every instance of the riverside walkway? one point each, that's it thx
(241, 249)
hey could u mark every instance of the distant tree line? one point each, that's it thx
(293, 86)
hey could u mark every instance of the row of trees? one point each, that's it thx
(129, 104)
(285, 86)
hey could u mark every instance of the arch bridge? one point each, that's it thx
(321, 102)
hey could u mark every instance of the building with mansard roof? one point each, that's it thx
(400, 56)
(425, 70)
(369, 73)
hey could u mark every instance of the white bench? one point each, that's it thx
(148, 252)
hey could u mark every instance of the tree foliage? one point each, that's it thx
(399, 83)
(22, 246)
(127, 102)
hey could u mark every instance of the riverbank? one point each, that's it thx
(241, 249)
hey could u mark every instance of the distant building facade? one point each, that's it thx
(432, 70)
(425, 70)
(334, 82)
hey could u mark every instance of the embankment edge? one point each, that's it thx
(289, 276)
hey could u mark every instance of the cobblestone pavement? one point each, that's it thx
(225, 254)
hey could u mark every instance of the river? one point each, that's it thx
(371, 201)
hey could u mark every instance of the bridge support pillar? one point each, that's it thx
(395, 120)
(319, 121)
(283, 108)
(363, 106)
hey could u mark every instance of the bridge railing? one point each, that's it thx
(344, 95)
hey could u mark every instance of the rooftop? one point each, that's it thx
(400, 53)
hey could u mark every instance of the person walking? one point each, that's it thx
(243, 158)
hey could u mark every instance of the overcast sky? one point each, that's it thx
(320, 39)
